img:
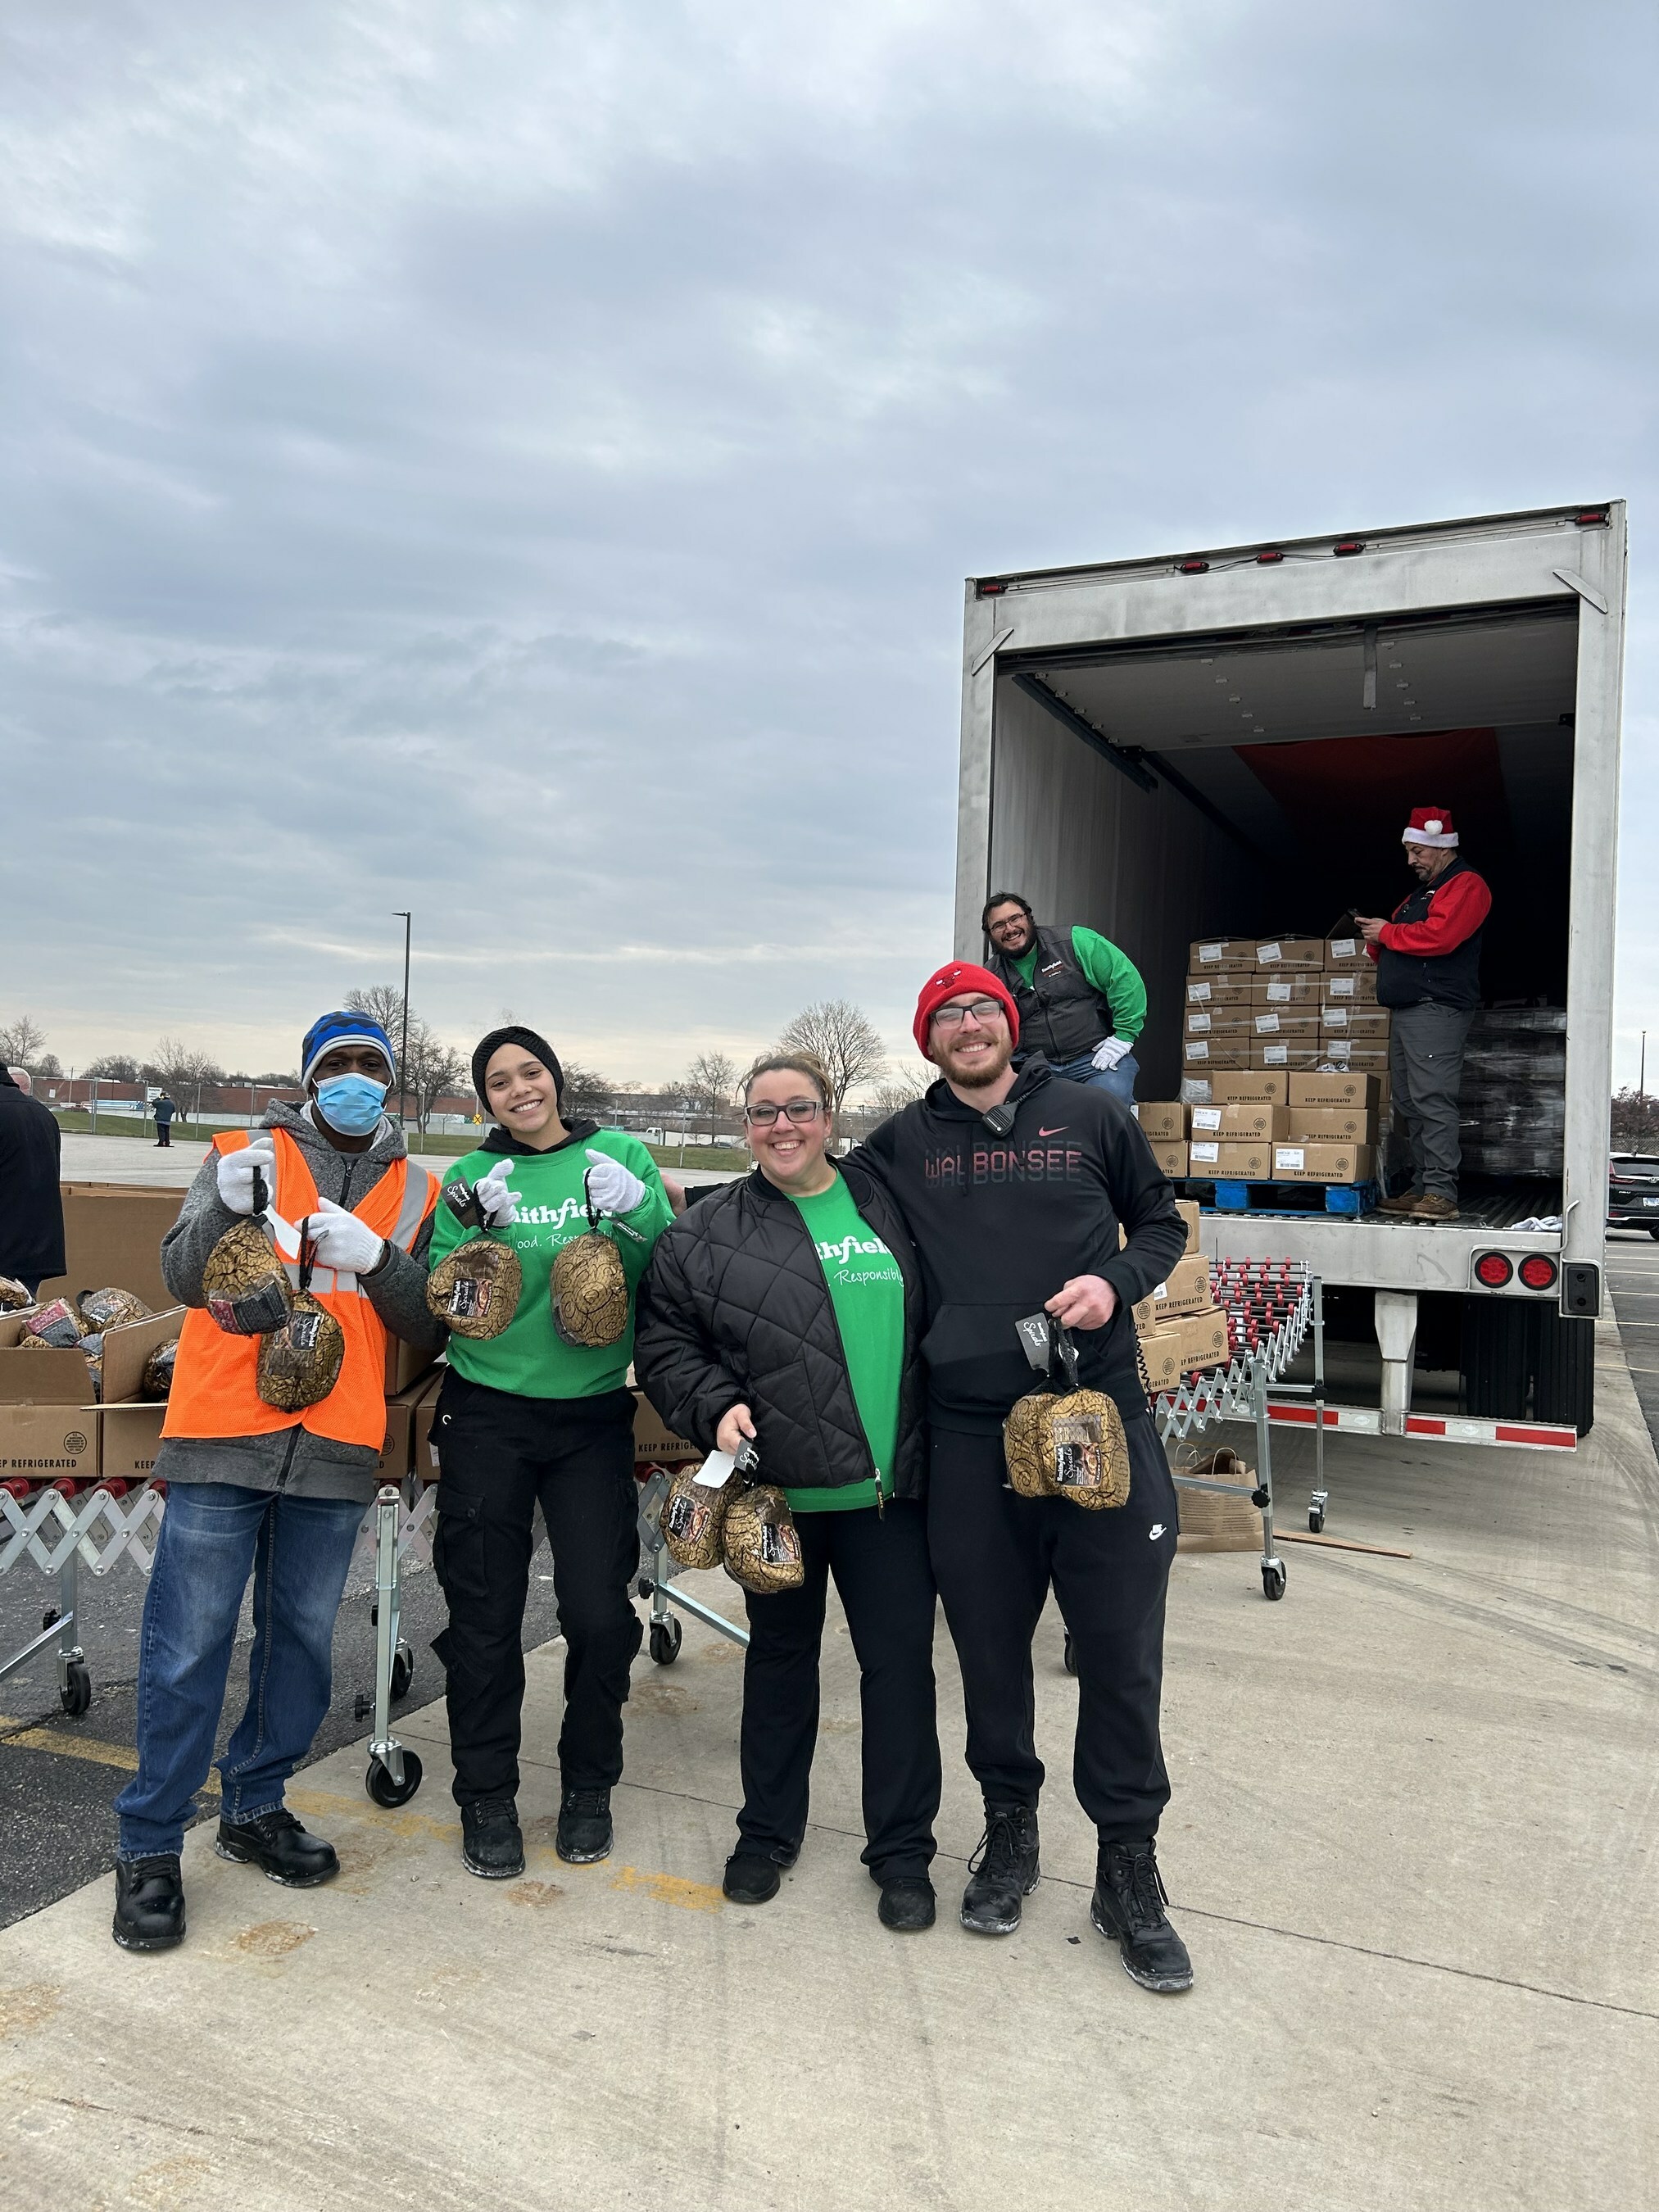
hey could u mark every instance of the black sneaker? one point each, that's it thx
(150, 1903)
(280, 1847)
(751, 1878)
(584, 1831)
(1128, 1907)
(907, 1905)
(492, 1845)
(1003, 1870)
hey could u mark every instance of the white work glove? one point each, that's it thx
(1110, 1050)
(496, 1203)
(350, 1247)
(611, 1188)
(237, 1170)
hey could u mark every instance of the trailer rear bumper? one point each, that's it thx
(1430, 1428)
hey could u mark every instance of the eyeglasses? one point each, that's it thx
(801, 1112)
(985, 1011)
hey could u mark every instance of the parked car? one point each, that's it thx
(1633, 1192)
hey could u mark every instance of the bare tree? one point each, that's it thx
(114, 1067)
(585, 1090)
(433, 1068)
(184, 1073)
(21, 1045)
(710, 1080)
(843, 1039)
(384, 1003)
(902, 1084)
(1635, 1120)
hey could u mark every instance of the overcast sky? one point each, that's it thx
(520, 462)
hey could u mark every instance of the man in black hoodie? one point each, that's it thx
(1014, 1187)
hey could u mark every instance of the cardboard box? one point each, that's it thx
(655, 1443)
(1300, 1052)
(1218, 1520)
(1285, 1022)
(1305, 953)
(129, 1426)
(1203, 1338)
(1219, 990)
(424, 1450)
(1195, 1052)
(1245, 1158)
(1286, 991)
(45, 1429)
(1161, 1118)
(1360, 1024)
(1236, 1122)
(1250, 1087)
(403, 1364)
(1187, 1209)
(1161, 1350)
(1207, 954)
(112, 1237)
(1170, 1153)
(1325, 1088)
(1351, 987)
(1330, 1124)
(1346, 952)
(1144, 1315)
(1323, 1162)
(1224, 1021)
(1187, 1290)
(397, 1452)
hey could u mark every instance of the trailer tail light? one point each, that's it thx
(1347, 545)
(992, 590)
(1593, 518)
(1538, 1272)
(1493, 1270)
(1265, 559)
(1192, 567)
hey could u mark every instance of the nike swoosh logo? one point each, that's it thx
(1060, 1131)
(1156, 1531)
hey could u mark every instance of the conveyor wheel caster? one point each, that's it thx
(403, 1669)
(76, 1693)
(1273, 1578)
(666, 1641)
(1316, 1518)
(1070, 1654)
(384, 1790)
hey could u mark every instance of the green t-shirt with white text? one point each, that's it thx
(866, 1292)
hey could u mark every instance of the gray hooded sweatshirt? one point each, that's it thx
(292, 1460)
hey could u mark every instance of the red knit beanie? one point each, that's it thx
(956, 978)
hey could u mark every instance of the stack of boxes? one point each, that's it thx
(1285, 1064)
(1179, 1327)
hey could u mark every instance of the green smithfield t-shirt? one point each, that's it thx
(867, 1293)
(528, 1357)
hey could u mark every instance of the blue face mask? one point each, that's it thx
(351, 1103)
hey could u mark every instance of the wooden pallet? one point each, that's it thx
(1231, 1196)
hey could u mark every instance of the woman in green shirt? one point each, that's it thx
(529, 1419)
(786, 1308)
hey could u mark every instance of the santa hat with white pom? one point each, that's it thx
(1429, 825)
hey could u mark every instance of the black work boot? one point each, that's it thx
(282, 1851)
(584, 1831)
(492, 1843)
(1003, 1870)
(908, 1904)
(1128, 1907)
(150, 1903)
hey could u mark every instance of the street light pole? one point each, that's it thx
(408, 921)
(1642, 1075)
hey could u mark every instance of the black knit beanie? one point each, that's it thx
(513, 1035)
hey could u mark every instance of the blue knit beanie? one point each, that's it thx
(329, 1030)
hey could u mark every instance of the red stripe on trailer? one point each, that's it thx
(1423, 1425)
(1565, 1439)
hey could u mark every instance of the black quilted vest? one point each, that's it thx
(1061, 1015)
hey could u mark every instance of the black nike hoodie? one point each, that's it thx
(1001, 1221)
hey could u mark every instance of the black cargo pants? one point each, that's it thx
(499, 1457)
(996, 1556)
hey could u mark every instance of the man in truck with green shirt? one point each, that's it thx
(1081, 1001)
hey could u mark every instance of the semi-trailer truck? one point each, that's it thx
(1225, 743)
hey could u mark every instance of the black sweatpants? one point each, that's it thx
(995, 1555)
(499, 1457)
(880, 1561)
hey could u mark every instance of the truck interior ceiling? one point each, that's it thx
(1256, 783)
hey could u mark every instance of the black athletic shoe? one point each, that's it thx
(150, 1903)
(1128, 1908)
(492, 1845)
(907, 1905)
(751, 1878)
(584, 1832)
(280, 1847)
(1003, 1870)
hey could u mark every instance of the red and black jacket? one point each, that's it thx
(1431, 947)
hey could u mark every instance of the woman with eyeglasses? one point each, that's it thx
(788, 1309)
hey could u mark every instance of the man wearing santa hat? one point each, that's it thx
(1428, 975)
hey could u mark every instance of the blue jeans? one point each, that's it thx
(213, 1533)
(1119, 1081)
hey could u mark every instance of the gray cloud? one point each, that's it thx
(520, 462)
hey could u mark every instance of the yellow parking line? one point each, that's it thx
(68, 1747)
